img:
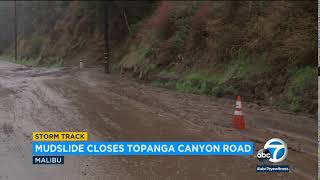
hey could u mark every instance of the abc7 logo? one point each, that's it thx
(275, 150)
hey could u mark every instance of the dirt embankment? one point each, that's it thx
(61, 35)
(264, 51)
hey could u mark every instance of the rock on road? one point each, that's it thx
(114, 108)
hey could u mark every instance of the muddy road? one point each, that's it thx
(114, 108)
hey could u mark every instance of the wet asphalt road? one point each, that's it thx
(114, 108)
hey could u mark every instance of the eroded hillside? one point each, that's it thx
(264, 51)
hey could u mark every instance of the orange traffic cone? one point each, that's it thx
(238, 120)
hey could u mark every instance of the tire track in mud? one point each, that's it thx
(33, 107)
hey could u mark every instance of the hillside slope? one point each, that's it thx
(264, 51)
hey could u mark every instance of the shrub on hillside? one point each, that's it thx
(302, 90)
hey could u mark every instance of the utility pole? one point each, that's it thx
(15, 32)
(106, 39)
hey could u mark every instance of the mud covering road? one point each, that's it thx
(114, 108)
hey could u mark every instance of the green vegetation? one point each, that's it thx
(136, 55)
(301, 89)
(195, 83)
(216, 81)
(24, 61)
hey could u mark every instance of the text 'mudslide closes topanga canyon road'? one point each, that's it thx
(142, 148)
